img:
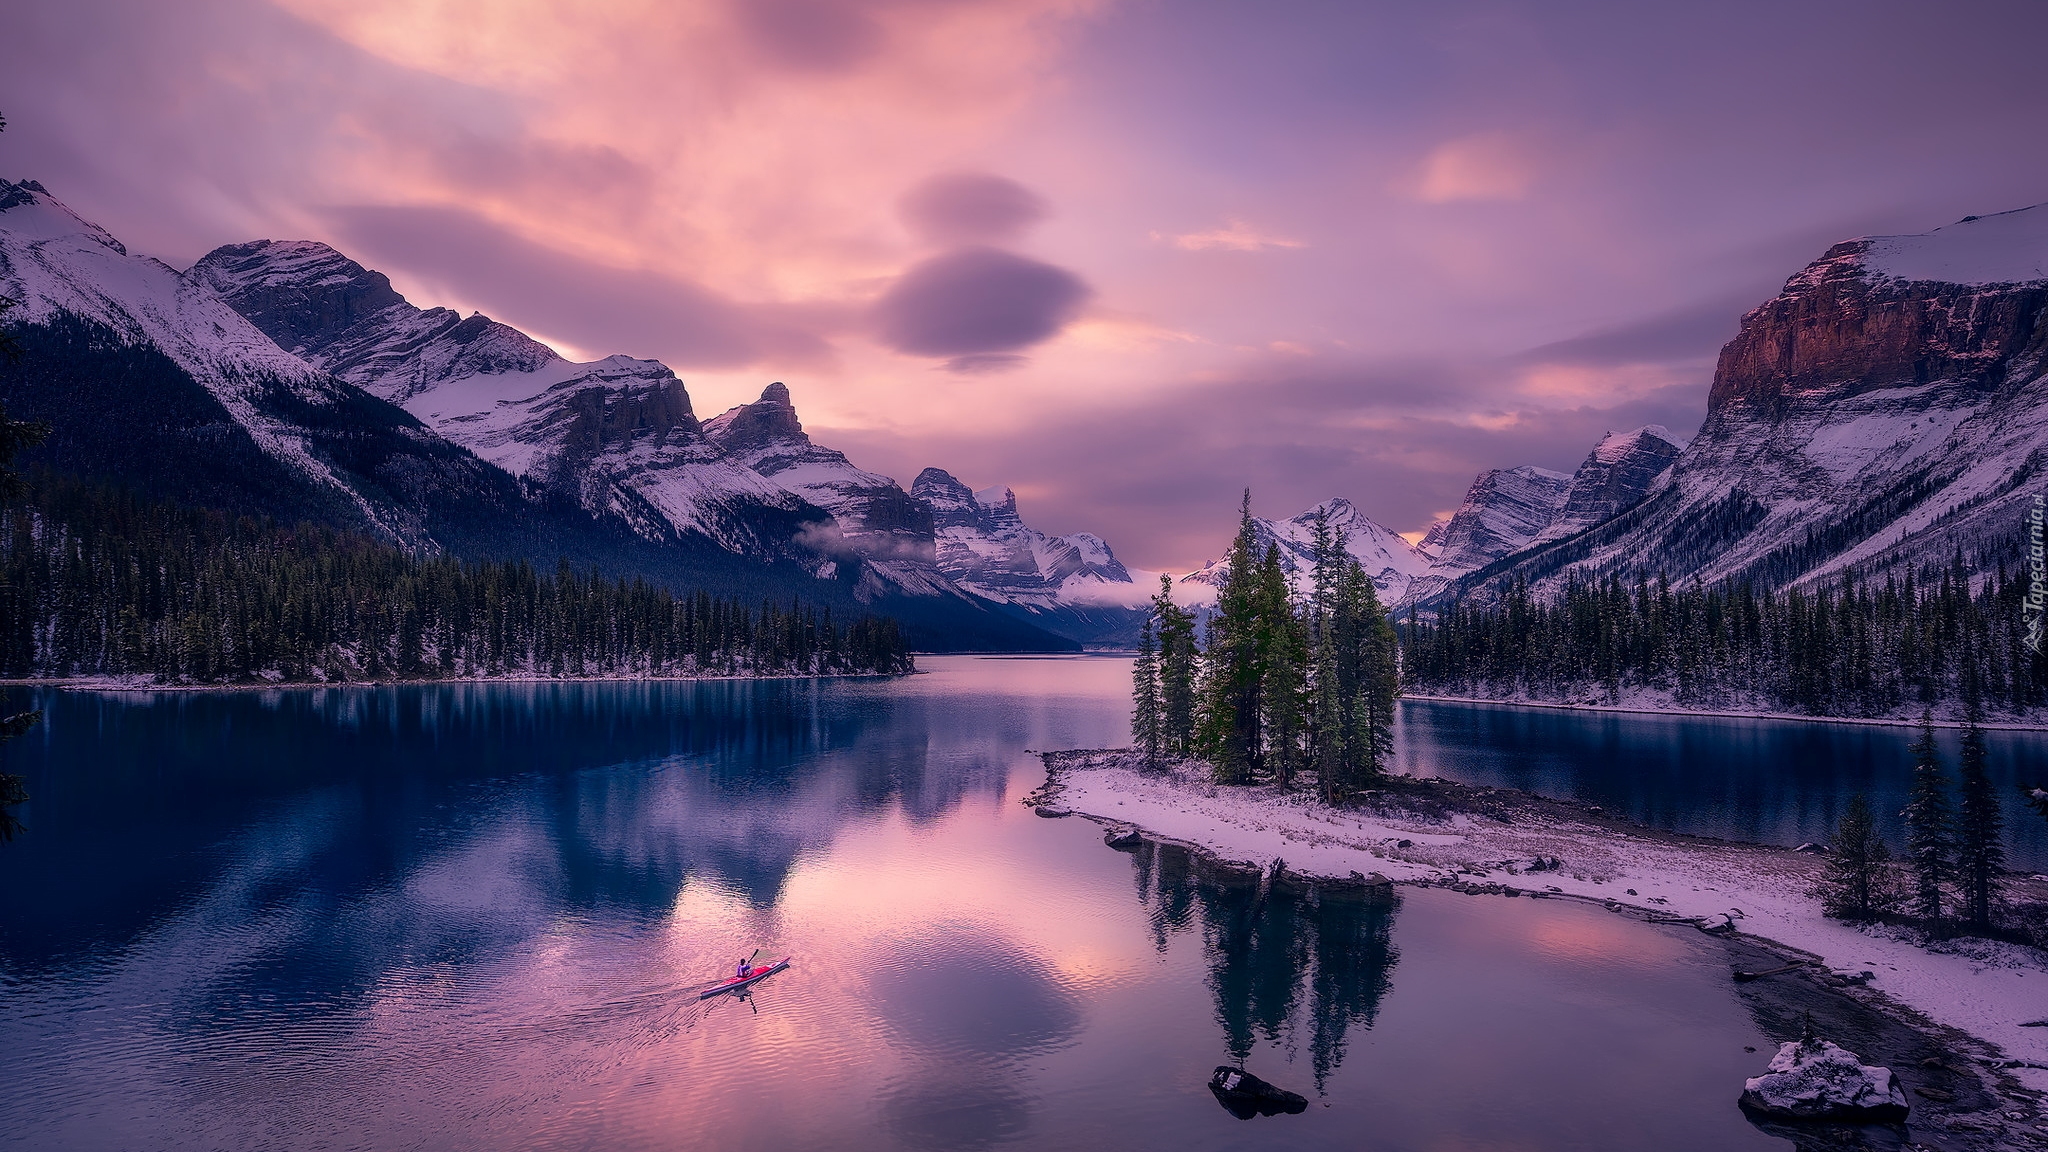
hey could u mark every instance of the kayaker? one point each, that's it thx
(746, 966)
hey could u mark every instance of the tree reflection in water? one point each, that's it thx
(1275, 942)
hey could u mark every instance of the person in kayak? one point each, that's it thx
(746, 966)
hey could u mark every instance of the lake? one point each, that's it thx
(476, 916)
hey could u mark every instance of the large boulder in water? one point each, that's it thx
(1812, 1079)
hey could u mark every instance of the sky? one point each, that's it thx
(1127, 258)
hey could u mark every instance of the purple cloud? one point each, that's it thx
(977, 300)
(971, 208)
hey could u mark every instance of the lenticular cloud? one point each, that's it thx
(977, 300)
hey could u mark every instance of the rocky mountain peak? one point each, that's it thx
(952, 502)
(768, 421)
(347, 319)
(1614, 477)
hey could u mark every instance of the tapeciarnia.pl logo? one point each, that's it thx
(2036, 606)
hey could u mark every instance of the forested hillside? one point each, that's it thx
(98, 582)
(1936, 641)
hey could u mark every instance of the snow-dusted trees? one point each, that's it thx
(1859, 883)
(95, 581)
(1354, 684)
(1234, 666)
(1929, 828)
(1178, 662)
(1146, 730)
(1288, 686)
(1941, 639)
(1980, 851)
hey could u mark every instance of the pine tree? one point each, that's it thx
(1283, 688)
(1373, 675)
(1145, 725)
(1859, 884)
(1929, 827)
(1329, 728)
(1231, 667)
(1177, 667)
(1980, 851)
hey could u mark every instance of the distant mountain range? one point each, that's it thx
(282, 378)
(1886, 412)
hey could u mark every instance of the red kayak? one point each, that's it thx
(735, 983)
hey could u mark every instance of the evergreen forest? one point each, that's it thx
(95, 581)
(1937, 641)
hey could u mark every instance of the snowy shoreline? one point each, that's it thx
(1974, 995)
(1646, 709)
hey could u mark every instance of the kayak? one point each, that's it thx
(735, 983)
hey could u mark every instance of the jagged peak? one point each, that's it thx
(769, 420)
(1616, 445)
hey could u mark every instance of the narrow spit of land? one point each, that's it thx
(1950, 1017)
(1660, 706)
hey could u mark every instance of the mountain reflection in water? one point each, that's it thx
(1275, 943)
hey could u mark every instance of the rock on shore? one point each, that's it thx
(1813, 1079)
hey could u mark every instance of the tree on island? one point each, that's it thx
(1930, 827)
(1980, 850)
(1234, 666)
(1356, 682)
(1288, 686)
(1146, 730)
(1179, 661)
(1859, 883)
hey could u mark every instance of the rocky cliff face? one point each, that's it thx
(1886, 411)
(985, 546)
(872, 515)
(1613, 478)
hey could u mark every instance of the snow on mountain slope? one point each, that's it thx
(1888, 410)
(1502, 511)
(2005, 248)
(55, 263)
(1510, 509)
(985, 546)
(1614, 476)
(1389, 561)
(618, 434)
(874, 516)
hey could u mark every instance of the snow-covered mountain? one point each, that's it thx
(432, 430)
(1613, 478)
(616, 435)
(148, 376)
(1508, 510)
(1390, 561)
(1888, 410)
(872, 514)
(985, 546)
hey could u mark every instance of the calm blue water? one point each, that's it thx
(475, 917)
(1768, 781)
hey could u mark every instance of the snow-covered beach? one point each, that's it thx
(1979, 995)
